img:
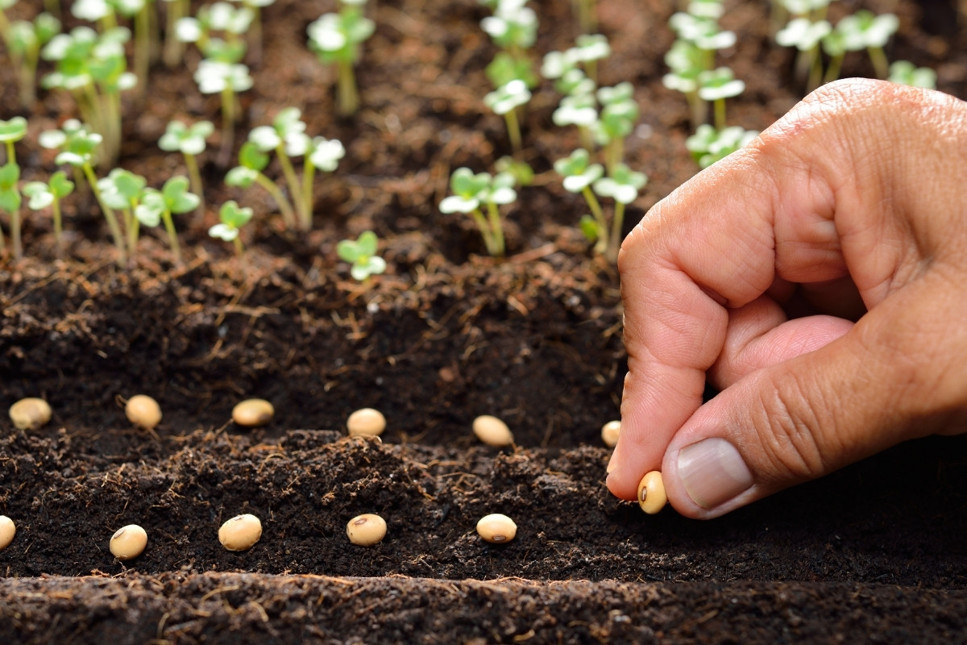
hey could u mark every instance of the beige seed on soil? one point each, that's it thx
(253, 412)
(128, 542)
(30, 413)
(492, 431)
(609, 433)
(651, 493)
(240, 533)
(143, 411)
(366, 421)
(7, 530)
(366, 529)
(496, 528)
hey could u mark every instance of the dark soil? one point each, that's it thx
(874, 552)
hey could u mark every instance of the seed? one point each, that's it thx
(7, 530)
(609, 433)
(253, 412)
(492, 431)
(651, 493)
(143, 411)
(30, 413)
(240, 533)
(496, 528)
(128, 542)
(366, 421)
(366, 529)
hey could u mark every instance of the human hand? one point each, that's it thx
(852, 206)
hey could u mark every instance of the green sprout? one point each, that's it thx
(589, 49)
(686, 62)
(505, 101)
(866, 30)
(708, 144)
(255, 32)
(175, 10)
(10, 132)
(806, 36)
(579, 174)
(121, 190)
(361, 254)
(157, 206)
(77, 148)
(619, 112)
(231, 217)
(252, 162)
(513, 27)
(24, 43)
(41, 195)
(717, 85)
(906, 73)
(471, 192)
(336, 38)
(226, 80)
(190, 140)
(580, 110)
(105, 13)
(10, 201)
(622, 185)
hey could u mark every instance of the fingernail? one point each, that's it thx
(712, 472)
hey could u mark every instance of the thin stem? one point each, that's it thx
(598, 215)
(142, 47)
(616, 228)
(3, 242)
(835, 65)
(488, 238)
(880, 64)
(228, 121)
(15, 234)
(11, 153)
(614, 152)
(308, 175)
(496, 228)
(292, 181)
(173, 47)
(239, 249)
(172, 236)
(348, 94)
(698, 108)
(112, 222)
(132, 226)
(719, 107)
(58, 226)
(815, 71)
(194, 177)
(513, 130)
(288, 215)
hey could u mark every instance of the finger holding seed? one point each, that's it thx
(7, 531)
(366, 529)
(496, 528)
(240, 533)
(651, 493)
(128, 542)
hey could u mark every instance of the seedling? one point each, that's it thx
(717, 85)
(513, 27)
(11, 132)
(708, 144)
(231, 217)
(41, 195)
(121, 190)
(255, 32)
(24, 42)
(622, 185)
(580, 110)
(157, 206)
(906, 73)
(10, 201)
(361, 254)
(365, 422)
(866, 30)
(579, 174)
(175, 10)
(589, 49)
(128, 542)
(240, 533)
(227, 80)
(504, 101)
(366, 530)
(252, 162)
(471, 192)
(104, 12)
(619, 113)
(336, 38)
(686, 62)
(806, 36)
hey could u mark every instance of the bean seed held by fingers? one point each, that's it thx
(128, 542)
(492, 431)
(143, 411)
(30, 413)
(366, 529)
(7, 531)
(252, 413)
(496, 528)
(240, 533)
(651, 493)
(366, 422)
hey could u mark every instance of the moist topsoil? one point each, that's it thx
(874, 552)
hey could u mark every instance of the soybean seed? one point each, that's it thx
(366, 421)
(609, 433)
(651, 493)
(143, 411)
(366, 529)
(128, 542)
(240, 533)
(30, 413)
(492, 431)
(7, 530)
(253, 412)
(496, 528)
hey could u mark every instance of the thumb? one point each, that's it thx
(889, 379)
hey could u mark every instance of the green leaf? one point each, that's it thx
(251, 157)
(176, 195)
(60, 185)
(13, 130)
